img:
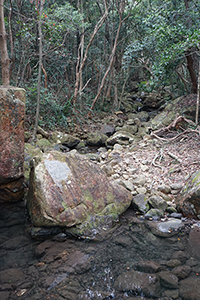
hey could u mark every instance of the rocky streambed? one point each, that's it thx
(140, 259)
(150, 252)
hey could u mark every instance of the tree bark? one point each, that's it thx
(78, 71)
(3, 46)
(191, 70)
(198, 96)
(39, 69)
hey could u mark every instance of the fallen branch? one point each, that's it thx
(158, 155)
(174, 156)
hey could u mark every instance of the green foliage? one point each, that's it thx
(52, 113)
(165, 31)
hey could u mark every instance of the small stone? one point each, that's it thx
(176, 186)
(176, 215)
(166, 197)
(158, 202)
(171, 294)
(147, 266)
(168, 280)
(118, 147)
(140, 202)
(140, 180)
(172, 263)
(144, 168)
(181, 271)
(141, 190)
(154, 214)
(164, 189)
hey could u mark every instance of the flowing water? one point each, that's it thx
(72, 268)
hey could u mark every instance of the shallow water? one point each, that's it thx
(84, 269)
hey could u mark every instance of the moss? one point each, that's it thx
(196, 178)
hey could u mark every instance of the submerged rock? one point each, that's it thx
(194, 241)
(190, 288)
(69, 190)
(165, 229)
(138, 283)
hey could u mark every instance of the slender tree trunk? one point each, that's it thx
(79, 70)
(190, 66)
(108, 69)
(11, 40)
(40, 68)
(198, 96)
(3, 46)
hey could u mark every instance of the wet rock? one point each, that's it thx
(172, 263)
(4, 295)
(124, 241)
(171, 294)
(188, 199)
(176, 215)
(96, 139)
(140, 202)
(190, 288)
(165, 229)
(181, 271)
(94, 294)
(11, 276)
(42, 233)
(138, 283)
(154, 214)
(158, 202)
(68, 190)
(148, 266)
(194, 241)
(120, 137)
(168, 280)
(180, 255)
(16, 242)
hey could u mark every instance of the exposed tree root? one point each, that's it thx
(179, 124)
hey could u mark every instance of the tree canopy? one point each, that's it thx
(92, 50)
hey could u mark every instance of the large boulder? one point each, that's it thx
(188, 200)
(184, 105)
(12, 111)
(66, 189)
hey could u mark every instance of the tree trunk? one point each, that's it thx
(79, 70)
(3, 46)
(191, 70)
(198, 96)
(39, 69)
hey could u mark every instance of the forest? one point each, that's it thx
(78, 57)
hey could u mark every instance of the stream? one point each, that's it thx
(130, 262)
